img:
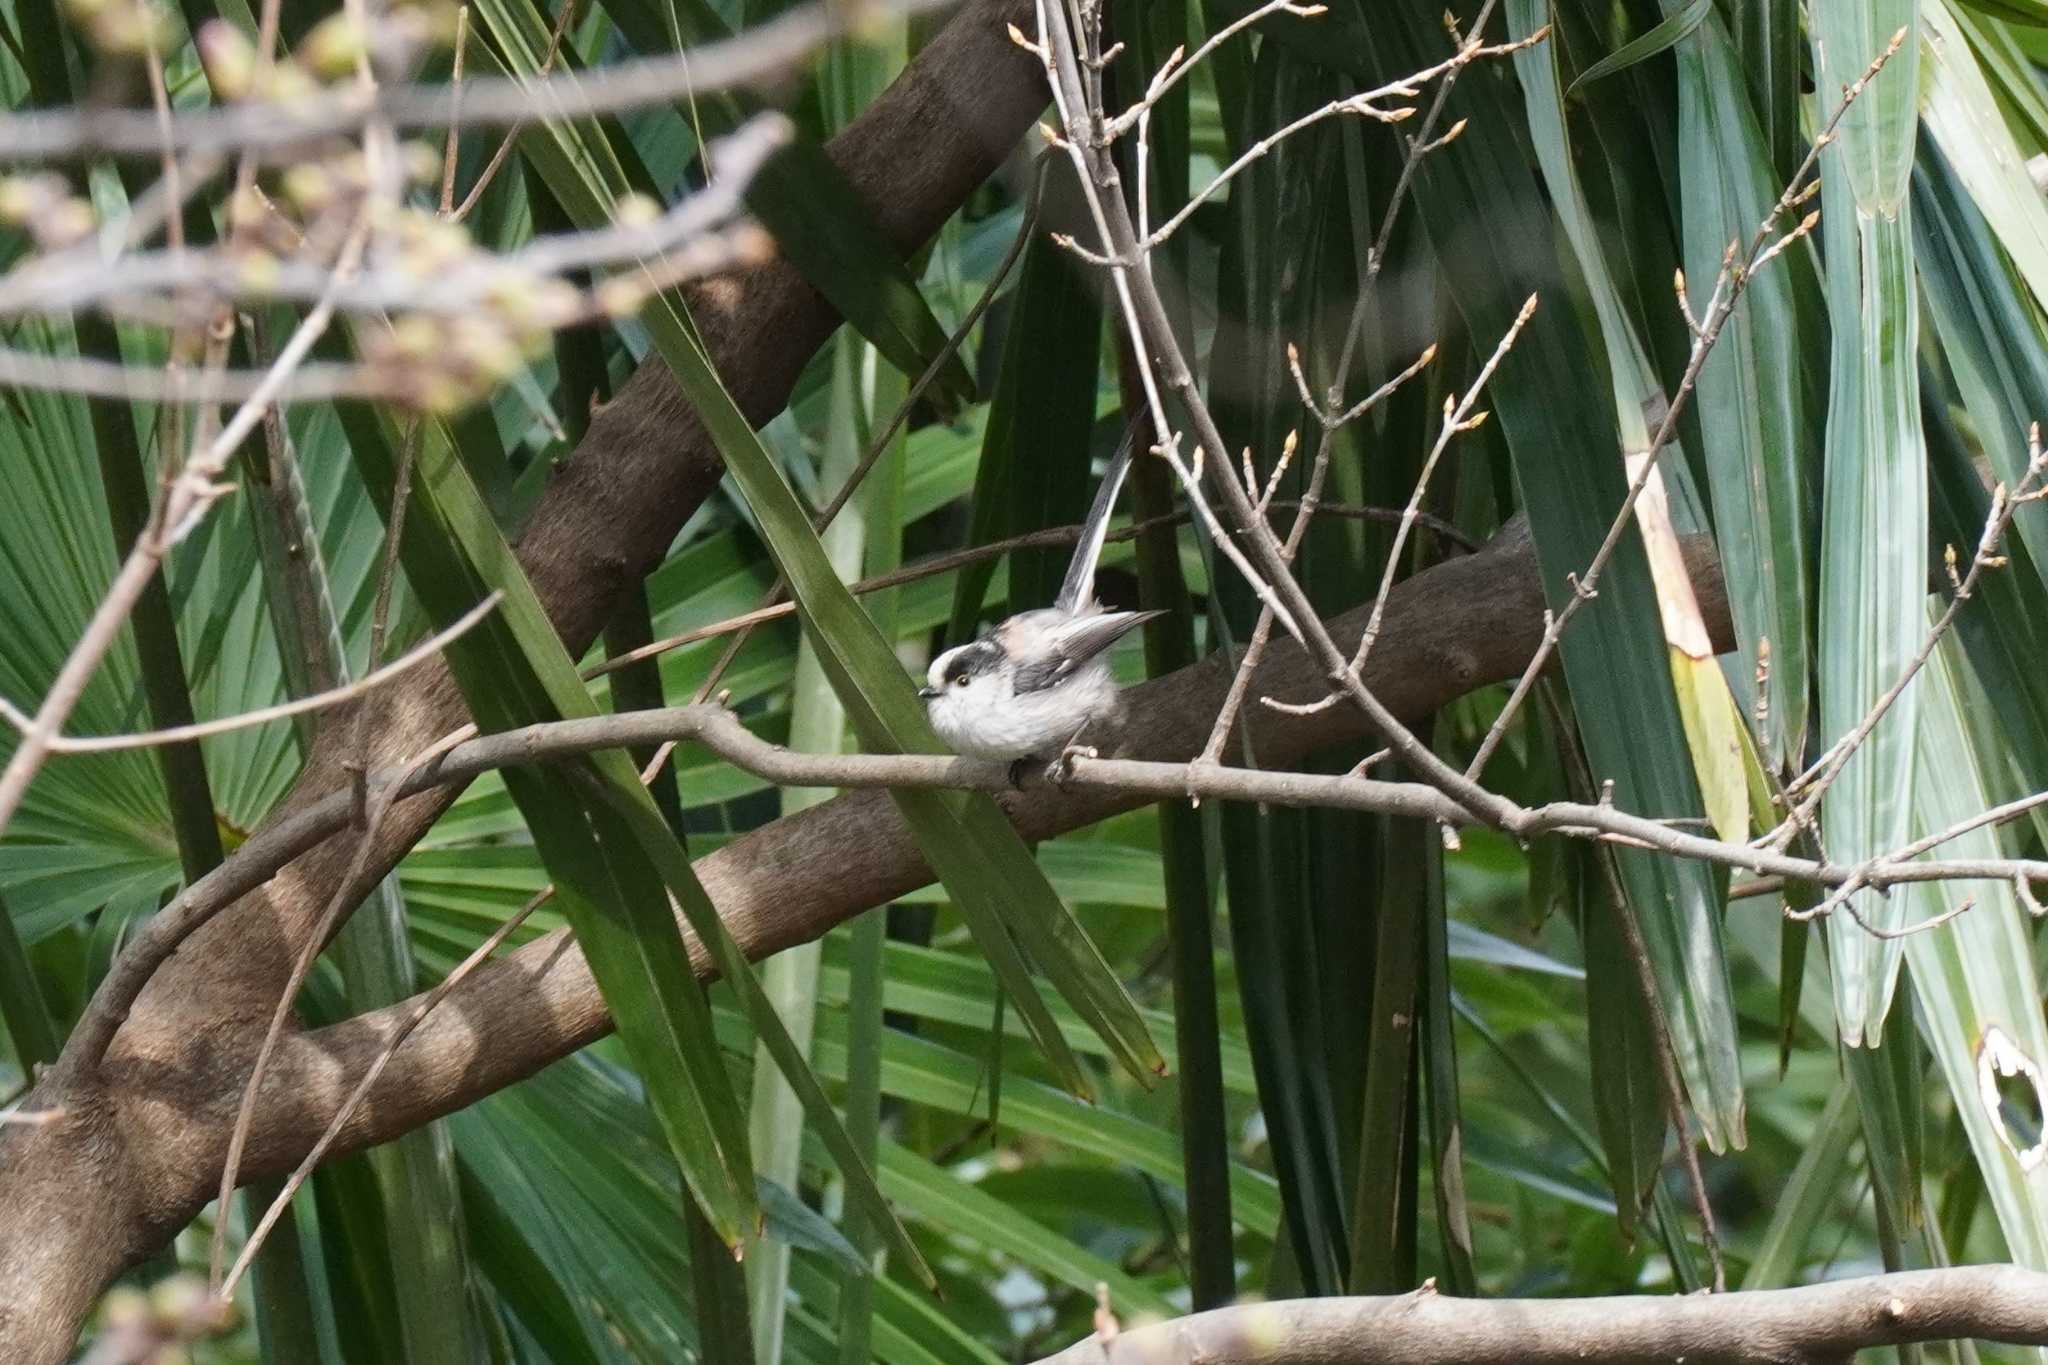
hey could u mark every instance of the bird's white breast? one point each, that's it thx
(987, 720)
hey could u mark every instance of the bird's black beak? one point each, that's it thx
(927, 693)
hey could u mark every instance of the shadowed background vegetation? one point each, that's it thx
(1388, 1061)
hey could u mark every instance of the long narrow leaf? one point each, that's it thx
(1561, 432)
(1675, 28)
(1973, 978)
(1874, 509)
(790, 979)
(803, 199)
(1756, 432)
(514, 671)
(725, 951)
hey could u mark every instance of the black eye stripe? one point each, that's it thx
(973, 660)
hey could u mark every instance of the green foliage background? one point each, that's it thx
(1422, 1064)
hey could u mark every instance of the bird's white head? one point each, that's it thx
(964, 694)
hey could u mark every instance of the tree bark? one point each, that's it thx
(1803, 1326)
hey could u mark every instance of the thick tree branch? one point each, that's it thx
(1461, 625)
(1804, 1326)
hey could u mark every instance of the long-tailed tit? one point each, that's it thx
(1028, 688)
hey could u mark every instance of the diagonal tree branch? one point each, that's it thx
(1458, 626)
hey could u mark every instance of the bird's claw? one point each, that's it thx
(1061, 769)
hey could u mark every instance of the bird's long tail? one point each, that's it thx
(1077, 590)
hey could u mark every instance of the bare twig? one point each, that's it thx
(95, 378)
(1152, 335)
(282, 1203)
(761, 53)
(190, 494)
(171, 431)
(1419, 146)
(460, 758)
(412, 1021)
(378, 208)
(1174, 70)
(511, 138)
(259, 859)
(330, 918)
(1364, 105)
(978, 554)
(452, 145)
(1459, 418)
(1736, 272)
(1814, 782)
(68, 282)
(298, 706)
(1262, 630)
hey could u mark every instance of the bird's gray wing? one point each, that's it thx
(1077, 589)
(1074, 643)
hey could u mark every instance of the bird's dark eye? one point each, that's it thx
(960, 680)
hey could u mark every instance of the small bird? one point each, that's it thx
(1026, 690)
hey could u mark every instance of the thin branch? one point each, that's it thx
(1361, 104)
(1152, 335)
(170, 436)
(282, 1203)
(95, 378)
(1728, 289)
(1459, 418)
(722, 733)
(187, 499)
(511, 138)
(379, 207)
(1821, 1322)
(1174, 70)
(67, 282)
(1815, 781)
(160, 102)
(298, 706)
(452, 144)
(1262, 630)
(330, 918)
(1331, 421)
(1996, 815)
(1100, 184)
(1418, 146)
(762, 53)
(477, 957)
